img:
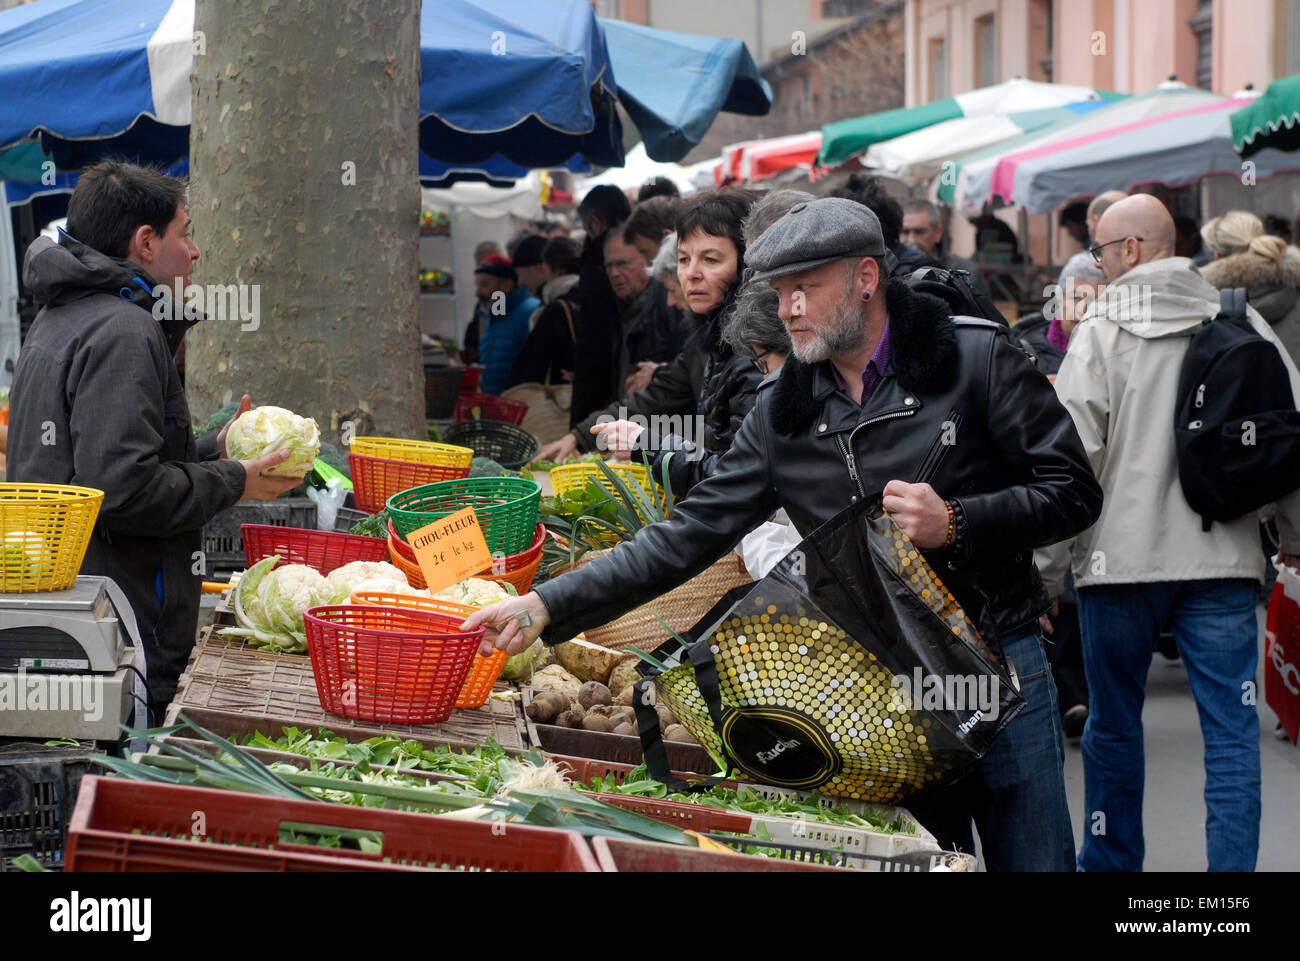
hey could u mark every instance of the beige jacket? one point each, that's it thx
(1119, 381)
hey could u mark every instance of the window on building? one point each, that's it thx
(1292, 37)
(608, 9)
(938, 68)
(986, 52)
(1042, 33)
(846, 8)
(1202, 25)
(805, 107)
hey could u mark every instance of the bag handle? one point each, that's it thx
(1232, 302)
(573, 336)
(700, 656)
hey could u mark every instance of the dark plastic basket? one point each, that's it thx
(223, 541)
(490, 407)
(441, 388)
(509, 445)
(38, 786)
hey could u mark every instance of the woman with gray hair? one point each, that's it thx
(1067, 302)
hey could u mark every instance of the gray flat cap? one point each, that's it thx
(815, 233)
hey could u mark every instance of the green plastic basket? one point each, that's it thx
(506, 507)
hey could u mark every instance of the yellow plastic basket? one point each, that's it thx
(44, 532)
(574, 477)
(413, 451)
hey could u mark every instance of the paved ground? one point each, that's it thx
(1174, 810)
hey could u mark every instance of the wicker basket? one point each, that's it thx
(680, 608)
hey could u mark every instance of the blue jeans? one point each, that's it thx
(1214, 625)
(1016, 793)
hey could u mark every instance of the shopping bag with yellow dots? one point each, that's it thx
(849, 669)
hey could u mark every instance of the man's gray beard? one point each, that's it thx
(843, 334)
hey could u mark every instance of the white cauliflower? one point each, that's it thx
(269, 604)
(475, 592)
(345, 580)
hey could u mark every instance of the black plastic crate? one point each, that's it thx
(441, 389)
(223, 542)
(38, 788)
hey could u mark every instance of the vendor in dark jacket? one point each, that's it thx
(706, 380)
(97, 402)
(978, 464)
(597, 325)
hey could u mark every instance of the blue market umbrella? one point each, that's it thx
(527, 79)
(673, 84)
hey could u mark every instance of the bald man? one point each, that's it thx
(1096, 210)
(1147, 558)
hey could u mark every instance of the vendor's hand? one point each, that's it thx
(640, 379)
(1045, 620)
(261, 487)
(503, 630)
(618, 437)
(245, 405)
(919, 511)
(560, 451)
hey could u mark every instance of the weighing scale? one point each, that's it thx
(66, 660)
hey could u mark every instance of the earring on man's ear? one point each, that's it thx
(866, 295)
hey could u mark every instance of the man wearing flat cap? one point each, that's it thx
(978, 463)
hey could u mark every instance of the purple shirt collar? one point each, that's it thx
(874, 372)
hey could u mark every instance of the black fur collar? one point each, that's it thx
(923, 347)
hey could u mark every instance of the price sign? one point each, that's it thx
(451, 549)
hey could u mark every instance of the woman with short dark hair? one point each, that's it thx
(707, 384)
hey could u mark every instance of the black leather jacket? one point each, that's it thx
(707, 378)
(1013, 461)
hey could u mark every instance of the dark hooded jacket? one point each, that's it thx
(705, 379)
(1014, 465)
(97, 402)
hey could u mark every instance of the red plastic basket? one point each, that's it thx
(388, 664)
(323, 550)
(518, 569)
(375, 479)
(490, 407)
(483, 673)
(120, 825)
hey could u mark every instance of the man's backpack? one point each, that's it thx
(954, 287)
(1236, 427)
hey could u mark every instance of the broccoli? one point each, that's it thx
(220, 418)
(375, 525)
(485, 467)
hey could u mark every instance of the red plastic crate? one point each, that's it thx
(391, 665)
(490, 407)
(688, 817)
(238, 830)
(581, 770)
(326, 551)
(627, 856)
(472, 375)
(375, 479)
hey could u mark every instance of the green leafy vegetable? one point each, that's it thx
(373, 525)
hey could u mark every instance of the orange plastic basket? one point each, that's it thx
(483, 673)
(517, 569)
(375, 479)
(399, 666)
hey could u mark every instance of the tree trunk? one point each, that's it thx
(304, 166)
